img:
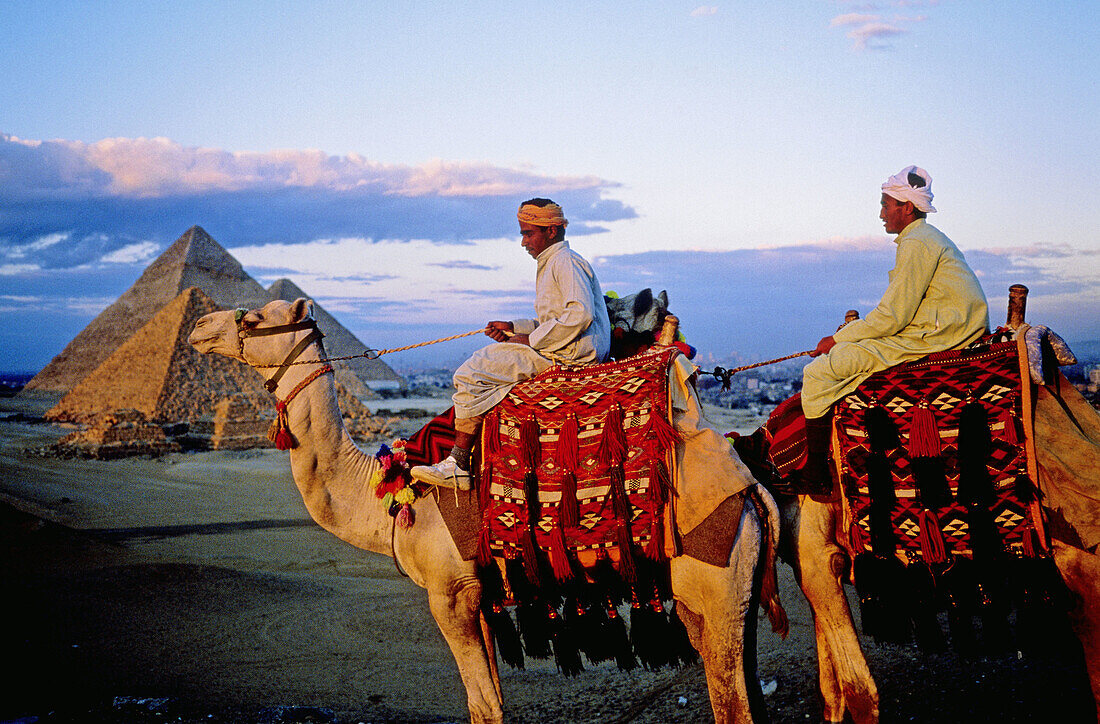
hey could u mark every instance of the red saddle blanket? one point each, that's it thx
(577, 460)
(926, 451)
(934, 450)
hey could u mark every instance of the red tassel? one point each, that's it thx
(1012, 427)
(856, 539)
(568, 509)
(931, 538)
(655, 548)
(620, 503)
(924, 438)
(484, 551)
(406, 517)
(492, 435)
(1031, 543)
(613, 437)
(626, 554)
(559, 558)
(568, 444)
(279, 432)
(658, 483)
(530, 557)
(485, 486)
(529, 443)
(659, 431)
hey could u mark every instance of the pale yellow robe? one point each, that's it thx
(933, 302)
(572, 327)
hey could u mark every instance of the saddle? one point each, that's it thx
(936, 474)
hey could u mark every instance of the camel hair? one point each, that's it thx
(716, 604)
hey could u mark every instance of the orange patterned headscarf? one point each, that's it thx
(549, 215)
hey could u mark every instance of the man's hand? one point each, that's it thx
(500, 331)
(823, 347)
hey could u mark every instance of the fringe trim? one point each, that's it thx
(924, 436)
(568, 444)
(613, 437)
(931, 538)
(568, 508)
(529, 443)
(660, 432)
(559, 557)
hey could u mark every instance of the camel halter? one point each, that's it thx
(279, 433)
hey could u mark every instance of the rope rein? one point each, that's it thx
(725, 375)
(369, 353)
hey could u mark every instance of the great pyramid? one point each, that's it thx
(159, 374)
(193, 260)
(340, 342)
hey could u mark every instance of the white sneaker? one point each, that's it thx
(446, 474)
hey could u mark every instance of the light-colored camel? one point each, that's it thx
(1068, 450)
(716, 604)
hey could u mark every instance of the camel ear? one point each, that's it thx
(301, 309)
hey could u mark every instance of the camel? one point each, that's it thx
(1067, 432)
(716, 604)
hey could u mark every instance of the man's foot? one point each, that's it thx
(446, 474)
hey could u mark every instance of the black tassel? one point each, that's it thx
(607, 580)
(523, 591)
(589, 622)
(931, 482)
(924, 607)
(614, 630)
(880, 584)
(650, 634)
(534, 627)
(882, 433)
(505, 635)
(958, 588)
(682, 652)
(1024, 490)
(975, 446)
(566, 654)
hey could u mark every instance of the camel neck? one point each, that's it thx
(332, 473)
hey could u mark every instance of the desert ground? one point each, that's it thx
(194, 588)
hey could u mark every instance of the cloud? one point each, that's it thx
(870, 30)
(131, 254)
(463, 264)
(64, 204)
(704, 11)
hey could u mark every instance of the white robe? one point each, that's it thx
(572, 328)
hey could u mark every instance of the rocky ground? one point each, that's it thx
(193, 588)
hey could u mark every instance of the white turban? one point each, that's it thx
(899, 188)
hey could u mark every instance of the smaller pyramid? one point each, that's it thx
(156, 372)
(357, 375)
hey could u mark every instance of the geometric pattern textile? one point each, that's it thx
(940, 391)
(600, 429)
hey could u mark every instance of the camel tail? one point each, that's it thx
(768, 513)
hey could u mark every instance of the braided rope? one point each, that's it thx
(724, 374)
(376, 353)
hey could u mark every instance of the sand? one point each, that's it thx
(194, 588)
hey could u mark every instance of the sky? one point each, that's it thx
(375, 153)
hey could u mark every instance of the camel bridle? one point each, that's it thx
(315, 335)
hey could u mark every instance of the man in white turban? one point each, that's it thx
(572, 328)
(932, 303)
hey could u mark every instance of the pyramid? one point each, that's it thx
(356, 374)
(194, 260)
(159, 374)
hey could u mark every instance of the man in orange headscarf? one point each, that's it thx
(572, 328)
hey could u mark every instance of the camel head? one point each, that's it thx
(230, 332)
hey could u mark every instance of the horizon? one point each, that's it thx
(729, 154)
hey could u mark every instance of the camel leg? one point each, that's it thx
(714, 604)
(490, 652)
(456, 611)
(844, 680)
(1081, 572)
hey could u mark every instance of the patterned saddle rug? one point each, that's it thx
(939, 509)
(572, 486)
